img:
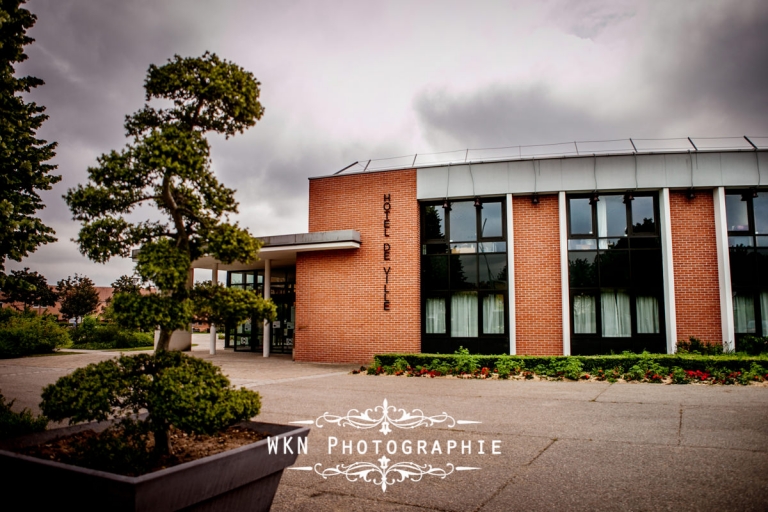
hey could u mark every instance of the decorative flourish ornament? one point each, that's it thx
(385, 475)
(387, 416)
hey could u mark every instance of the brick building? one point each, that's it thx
(566, 254)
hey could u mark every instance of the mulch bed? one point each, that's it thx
(186, 448)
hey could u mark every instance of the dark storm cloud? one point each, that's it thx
(500, 116)
(93, 57)
(697, 72)
(343, 81)
(717, 61)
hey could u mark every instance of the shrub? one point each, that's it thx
(17, 423)
(679, 376)
(22, 335)
(176, 390)
(568, 368)
(753, 345)
(464, 362)
(401, 365)
(90, 334)
(695, 346)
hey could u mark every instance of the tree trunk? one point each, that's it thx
(162, 441)
(164, 341)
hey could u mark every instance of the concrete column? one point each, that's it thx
(267, 294)
(724, 271)
(214, 280)
(670, 312)
(564, 286)
(511, 277)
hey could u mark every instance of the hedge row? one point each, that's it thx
(589, 363)
(678, 368)
(91, 334)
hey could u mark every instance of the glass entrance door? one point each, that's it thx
(250, 335)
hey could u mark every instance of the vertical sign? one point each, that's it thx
(387, 249)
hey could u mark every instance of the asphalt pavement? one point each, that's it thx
(418, 444)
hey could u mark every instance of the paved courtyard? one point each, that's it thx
(558, 445)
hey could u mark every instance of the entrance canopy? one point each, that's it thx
(281, 250)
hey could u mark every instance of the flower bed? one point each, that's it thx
(655, 368)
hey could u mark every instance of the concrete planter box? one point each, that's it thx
(245, 478)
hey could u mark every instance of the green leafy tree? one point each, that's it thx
(126, 284)
(28, 288)
(78, 297)
(23, 171)
(168, 164)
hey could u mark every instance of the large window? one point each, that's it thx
(747, 218)
(615, 274)
(464, 277)
(249, 335)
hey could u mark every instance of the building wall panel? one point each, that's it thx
(340, 315)
(694, 249)
(538, 295)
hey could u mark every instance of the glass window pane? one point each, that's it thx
(434, 272)
(463, 271)
(742, 262)
(744, 312)
(760, 207)
(764, 311)
(612, 216)
(490, 220)
(584, 318)
(643, 215)
(647, 269)
(582, 269)
(614, 309)
(236, 278)
(761, 257)
(434, 249)
(463, 221)
(493, 247)
(762, 241)
(645, 242)
(434, 222)
(464, 315)
(581, 244)
(739, 241)
(249, 277)
(647, 314)
(580, 216)
(493, 271)
(435, 318)
(614, 243)
(736, 214)
(614, 268)
(493, 314)
(465, 248)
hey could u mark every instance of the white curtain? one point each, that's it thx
(464, 315)
(744, 313)
(614, 307)
(493, 314)
(584, 314)
(764, 311)
(647, 315)
(602, 224)
(435, 316)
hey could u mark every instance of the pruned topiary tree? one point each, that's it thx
(167, 164)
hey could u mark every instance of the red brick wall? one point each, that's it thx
(340, 314)
(694, 249)
(538, 297)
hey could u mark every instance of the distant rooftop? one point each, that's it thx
(561, 150)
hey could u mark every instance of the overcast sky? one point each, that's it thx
(352, 80)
